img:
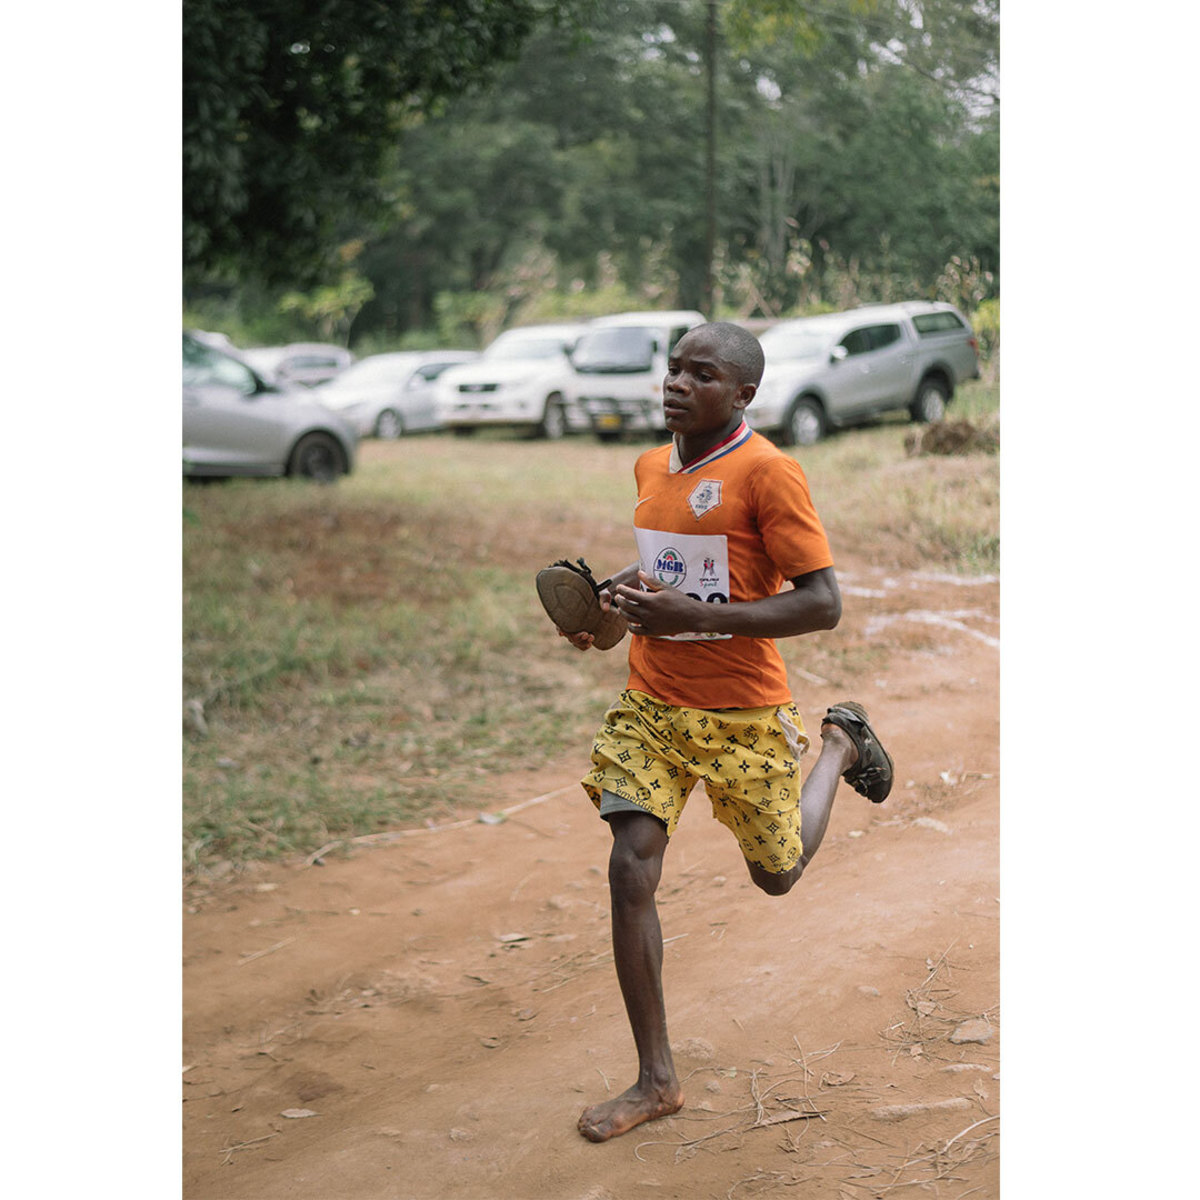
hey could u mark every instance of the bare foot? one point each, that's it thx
(628, 1110)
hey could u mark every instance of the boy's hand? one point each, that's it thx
(581, 640)
(657, 610)
(580, 607)
(584, 640)
(581, 610)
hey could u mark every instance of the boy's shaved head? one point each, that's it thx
(738, 347)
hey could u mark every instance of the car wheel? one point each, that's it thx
(318, 457)
(389, 424)
(554, 420)
(930, 404)
(804, 424)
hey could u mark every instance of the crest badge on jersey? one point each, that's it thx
(705, 497)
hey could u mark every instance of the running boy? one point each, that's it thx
(723, 520)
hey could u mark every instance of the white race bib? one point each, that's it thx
(697, 565)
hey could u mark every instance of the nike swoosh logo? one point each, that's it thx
(642, 501)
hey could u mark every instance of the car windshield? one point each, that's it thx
(505, 347)
(794, 342)
(376, 370)
(620, 347)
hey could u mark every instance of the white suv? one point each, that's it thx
(847, 367)
(521, 380)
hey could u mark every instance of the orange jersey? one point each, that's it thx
(735, 525)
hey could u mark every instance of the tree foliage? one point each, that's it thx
(290, 105)
(856, 147)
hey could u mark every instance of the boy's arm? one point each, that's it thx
(814, 602)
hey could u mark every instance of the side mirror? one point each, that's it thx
(838, 354)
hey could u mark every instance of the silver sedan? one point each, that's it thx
(389, 395)
(234, 423)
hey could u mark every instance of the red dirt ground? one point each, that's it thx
(440, 1007)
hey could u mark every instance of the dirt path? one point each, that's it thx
(439, 1008)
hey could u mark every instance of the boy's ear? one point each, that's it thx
(744, 395)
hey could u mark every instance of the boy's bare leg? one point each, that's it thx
(634, 869)
(838, 754)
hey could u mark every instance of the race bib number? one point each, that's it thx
(697, 565)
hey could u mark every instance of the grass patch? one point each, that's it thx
(371, 655)
(939, 511)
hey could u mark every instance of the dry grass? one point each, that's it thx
(366, 656)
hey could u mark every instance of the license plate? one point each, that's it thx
(608, 421)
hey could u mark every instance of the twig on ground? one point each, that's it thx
(560, 969)
(777, 1176)
(684, 1145)
(760, 1112)
(968, 1129)
(228, 1150)
(937, 965)
(261, 953)
(311, 860)
(781, 1118)
(395, 835)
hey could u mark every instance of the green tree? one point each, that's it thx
(876, 158)
(857, 159)
(289, 106)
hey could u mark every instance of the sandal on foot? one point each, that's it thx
(871, 775)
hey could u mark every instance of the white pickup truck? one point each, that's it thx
(844, 368)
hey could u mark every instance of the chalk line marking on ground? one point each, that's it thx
(394, 835)
(942, 620)
(957, 580)
(891, 583)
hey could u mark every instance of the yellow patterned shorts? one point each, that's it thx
(652, 754)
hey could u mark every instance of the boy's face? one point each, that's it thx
(701, 391)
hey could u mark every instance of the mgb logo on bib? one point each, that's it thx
(697, 564)
(670, 567)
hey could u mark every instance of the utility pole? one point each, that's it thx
(710, 166)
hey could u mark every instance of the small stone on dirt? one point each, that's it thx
(901, 1112)
(836, 1078)
(974, 1030)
